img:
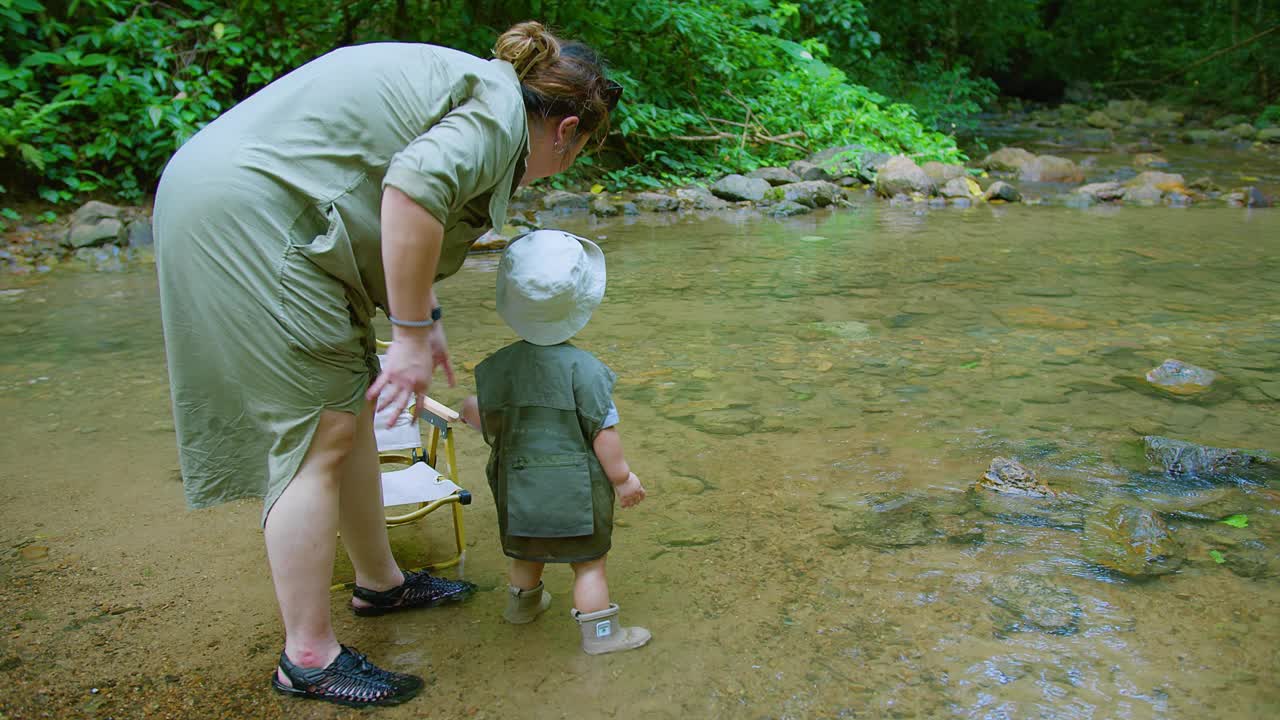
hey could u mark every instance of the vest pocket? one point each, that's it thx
(549, 496)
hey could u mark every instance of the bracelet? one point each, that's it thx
(436, 314)
(411, 323)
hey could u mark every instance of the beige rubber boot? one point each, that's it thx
(524, 606)
(601, 632)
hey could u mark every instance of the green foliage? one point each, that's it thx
(1217, 556)
(97, 94)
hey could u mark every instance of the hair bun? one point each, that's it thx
(526, 45)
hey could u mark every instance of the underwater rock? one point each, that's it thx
(730, 421)
(1010, 477)
(1179, 378)
(1029, 603)
(850, 330)
(885, 520)
(738, 187)
(1208, 506)
(1132, 541)
(1177, 457)
(775, 175)
(1159, 180)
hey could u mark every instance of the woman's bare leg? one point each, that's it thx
(301, 536)
(361, 516)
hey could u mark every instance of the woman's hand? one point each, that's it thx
(406, 374)
(440, 353)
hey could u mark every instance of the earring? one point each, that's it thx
(559, 149)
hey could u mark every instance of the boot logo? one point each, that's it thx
(604, 628)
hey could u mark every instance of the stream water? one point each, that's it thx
(777, 379)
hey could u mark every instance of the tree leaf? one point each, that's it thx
(155, 112)
(1217, 557)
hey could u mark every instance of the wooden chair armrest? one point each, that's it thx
(441, 411)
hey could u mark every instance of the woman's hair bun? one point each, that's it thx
(526, 46)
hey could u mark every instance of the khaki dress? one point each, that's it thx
(268, 245)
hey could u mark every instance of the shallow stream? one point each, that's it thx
(780, 383)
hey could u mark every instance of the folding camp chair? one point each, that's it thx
(420, 482)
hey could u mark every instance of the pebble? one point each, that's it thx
(34, 553)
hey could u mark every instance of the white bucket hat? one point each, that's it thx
(549, 282)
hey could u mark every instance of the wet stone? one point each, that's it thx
(1209, 506)
(1252, 559)
(1178, 457)
(1132, 541)
(732, 421)
(886, 520)
(1029, 603)
(34, 553)
(1179, 378)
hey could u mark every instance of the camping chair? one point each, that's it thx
(420, 483)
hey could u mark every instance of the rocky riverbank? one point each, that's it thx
(1122, 153)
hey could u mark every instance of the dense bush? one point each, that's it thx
(96, 94)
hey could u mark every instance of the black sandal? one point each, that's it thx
(419, 589)
(349, 680)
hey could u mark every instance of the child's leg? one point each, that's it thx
(526, 599)
(590, 586)
(525, 574)
(597, 617)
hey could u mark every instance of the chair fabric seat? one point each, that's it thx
(418, 483)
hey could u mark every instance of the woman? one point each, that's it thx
(353, 183)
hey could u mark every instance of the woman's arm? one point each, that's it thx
(411, 240)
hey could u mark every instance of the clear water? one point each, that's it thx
(771, 374)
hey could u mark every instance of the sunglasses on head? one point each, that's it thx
(612, 94)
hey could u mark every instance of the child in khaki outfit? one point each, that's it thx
(546, 411)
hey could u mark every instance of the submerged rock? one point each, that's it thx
(1009, 477)
(1029, 603)
(1132, 541)
(885, 520)
(1179, 378)
(1177, 457)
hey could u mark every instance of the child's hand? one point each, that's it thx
(471, 411)
(630, 492)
